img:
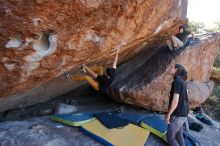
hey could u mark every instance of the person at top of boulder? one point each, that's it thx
(98, 80)
(179, 40)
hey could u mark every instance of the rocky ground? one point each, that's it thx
(40, 131)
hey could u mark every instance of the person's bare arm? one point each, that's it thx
(173, 106)
(116, 59)
(193, 35)
(90, 71)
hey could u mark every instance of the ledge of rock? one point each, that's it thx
(145, 82)
(40, 42)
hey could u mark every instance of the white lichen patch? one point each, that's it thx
(8, 12)
(93, 37)
(72, 44)
(29, 67)
(27, 42)
(36, 21)
(77, 42)
(45, 45)
(15, 41)
(10, 66)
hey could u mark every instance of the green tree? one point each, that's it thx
(197, 27)
(200, 27)
(217, 26)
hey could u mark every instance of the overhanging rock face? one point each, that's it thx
(41, 39)
(145, 82)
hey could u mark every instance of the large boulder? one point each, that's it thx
(145, 81)
(41, 39)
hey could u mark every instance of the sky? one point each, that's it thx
(207, 11)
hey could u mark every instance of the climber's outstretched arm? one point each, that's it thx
(193, 35)
(116, 59)
(89, 71)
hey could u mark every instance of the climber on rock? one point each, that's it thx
(179, 40)
(99, 81)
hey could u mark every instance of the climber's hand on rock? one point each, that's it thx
(84, 68)
(68, 76)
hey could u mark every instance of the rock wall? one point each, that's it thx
(145, 81)
(199, 92)
(42, 39)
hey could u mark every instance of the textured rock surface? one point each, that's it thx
(42, 132)
(199, 92)
(40, 42)
(145, 82)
